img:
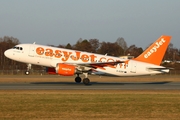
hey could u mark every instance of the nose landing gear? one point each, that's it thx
(28, 69)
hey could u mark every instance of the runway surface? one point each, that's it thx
(92, 86)
(98, 83)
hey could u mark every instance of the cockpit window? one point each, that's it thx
(18, 48)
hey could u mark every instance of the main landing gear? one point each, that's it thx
(86, 80)
(78, 79)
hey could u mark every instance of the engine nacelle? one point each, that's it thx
(65, 70)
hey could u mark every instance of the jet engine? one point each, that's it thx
(65, 70)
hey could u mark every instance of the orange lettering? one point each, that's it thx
(102, 58)
(66, 55)
(126, 64)
(92, 57)
(75, 58)
(57, 53)
(39, 50)
(120, 65)
(110, 59)
(85, 58)
(49, 52)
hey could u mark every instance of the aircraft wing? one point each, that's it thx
(100, 65)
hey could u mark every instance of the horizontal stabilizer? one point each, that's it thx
(163, 70)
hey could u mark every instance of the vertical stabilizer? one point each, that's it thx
(155, 53)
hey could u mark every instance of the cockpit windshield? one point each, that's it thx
(17, 47)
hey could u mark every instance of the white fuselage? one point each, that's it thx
(50, 56)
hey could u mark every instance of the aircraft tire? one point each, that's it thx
(86, 81)
(26, 72)
(77, 79)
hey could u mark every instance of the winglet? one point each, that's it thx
(155, 53)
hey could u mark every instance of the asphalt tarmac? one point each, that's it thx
(92, 86)
(100, 85)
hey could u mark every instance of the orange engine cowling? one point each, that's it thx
(64, 69)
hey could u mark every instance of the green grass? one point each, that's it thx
(94, 104)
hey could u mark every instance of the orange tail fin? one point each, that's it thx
(155, 53)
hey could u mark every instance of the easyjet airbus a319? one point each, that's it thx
(70, 62)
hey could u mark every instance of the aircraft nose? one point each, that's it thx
(7, 53)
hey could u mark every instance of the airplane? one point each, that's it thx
(73, 62)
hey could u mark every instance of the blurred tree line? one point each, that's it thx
(117, 48)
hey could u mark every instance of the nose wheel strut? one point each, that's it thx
(28, 69)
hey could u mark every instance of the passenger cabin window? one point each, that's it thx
(18, 48)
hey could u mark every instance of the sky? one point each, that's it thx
(55, 22)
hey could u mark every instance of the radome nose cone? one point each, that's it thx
(6, 53)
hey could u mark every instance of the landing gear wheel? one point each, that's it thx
(27, 73)
(86, 81)
(77, 79)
